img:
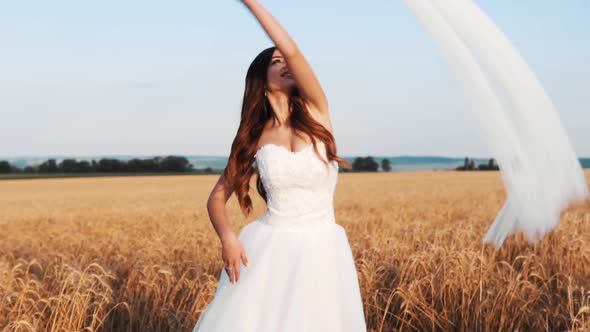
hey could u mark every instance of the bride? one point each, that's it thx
(292, 269)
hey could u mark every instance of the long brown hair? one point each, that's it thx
(256, 111)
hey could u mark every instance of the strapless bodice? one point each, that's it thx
(299, 186)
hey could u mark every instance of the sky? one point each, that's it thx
(158, 77)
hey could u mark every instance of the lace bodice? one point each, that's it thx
(299, 186)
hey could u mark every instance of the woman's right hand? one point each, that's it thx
(232, 252)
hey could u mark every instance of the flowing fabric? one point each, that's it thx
(519, 123)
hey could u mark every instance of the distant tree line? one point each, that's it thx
(469, 165)
(106, 165)
(368, 164)
(179, 164)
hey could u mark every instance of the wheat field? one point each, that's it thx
(140, 254)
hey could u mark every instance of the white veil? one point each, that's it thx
(539, 168)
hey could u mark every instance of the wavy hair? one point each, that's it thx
(256, 111)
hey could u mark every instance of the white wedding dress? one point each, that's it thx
(302, 276)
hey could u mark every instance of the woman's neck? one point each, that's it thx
(279, 102)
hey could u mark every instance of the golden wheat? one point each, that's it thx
(139, 254)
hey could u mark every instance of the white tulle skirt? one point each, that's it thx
(298, 280)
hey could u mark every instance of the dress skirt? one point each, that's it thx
(300, 279)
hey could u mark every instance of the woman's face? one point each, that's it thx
(278, 76)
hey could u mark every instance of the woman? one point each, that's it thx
(292, 269)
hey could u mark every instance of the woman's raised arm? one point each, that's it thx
(309, 86)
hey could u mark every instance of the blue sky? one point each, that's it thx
(156, 77)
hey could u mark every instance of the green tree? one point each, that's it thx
(5, 167)
(365, 164)
(386, 165)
